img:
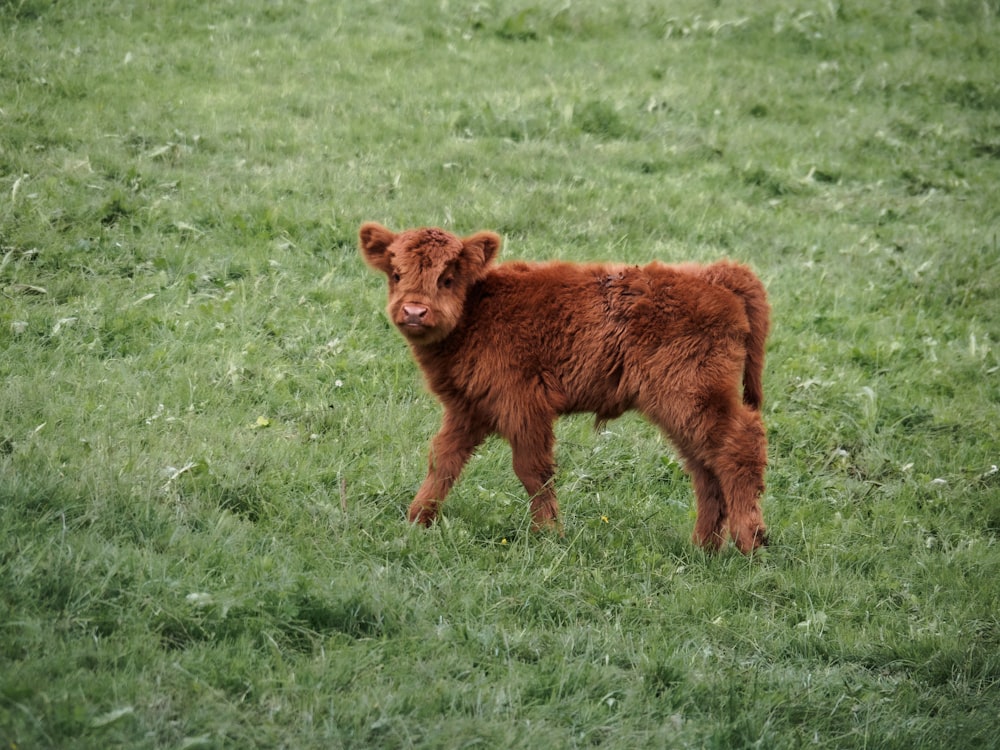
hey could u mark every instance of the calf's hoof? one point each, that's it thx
(545, 515)
(712, 541)
(750, 539)
(422, 512)
(548, 524)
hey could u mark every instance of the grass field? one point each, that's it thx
(209, 432)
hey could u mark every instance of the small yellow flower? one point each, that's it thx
(262, 422)
(604, 519)
(503, 542)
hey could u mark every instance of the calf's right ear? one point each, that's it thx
(375, 240)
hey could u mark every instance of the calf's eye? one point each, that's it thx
(446, 282)
(395, 277)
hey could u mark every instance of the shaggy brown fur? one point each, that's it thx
(508, 348)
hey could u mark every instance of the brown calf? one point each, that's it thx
(507, 348)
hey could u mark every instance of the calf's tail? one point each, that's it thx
(743, 282)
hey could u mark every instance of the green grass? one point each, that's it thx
(209, 433)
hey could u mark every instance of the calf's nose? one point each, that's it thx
(414, 313)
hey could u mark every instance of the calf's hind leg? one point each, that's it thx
(740, 463)
(725, 448)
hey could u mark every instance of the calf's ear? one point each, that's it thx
(375, 240)
(481, 248)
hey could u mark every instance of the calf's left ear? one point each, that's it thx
(375, 240)
(481, 248)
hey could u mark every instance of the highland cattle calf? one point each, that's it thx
(509, 347)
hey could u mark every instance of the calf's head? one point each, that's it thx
(430, 272)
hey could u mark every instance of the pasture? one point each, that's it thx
(210, 433)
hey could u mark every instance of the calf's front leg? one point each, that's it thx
(451, 448)
(532, 452)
